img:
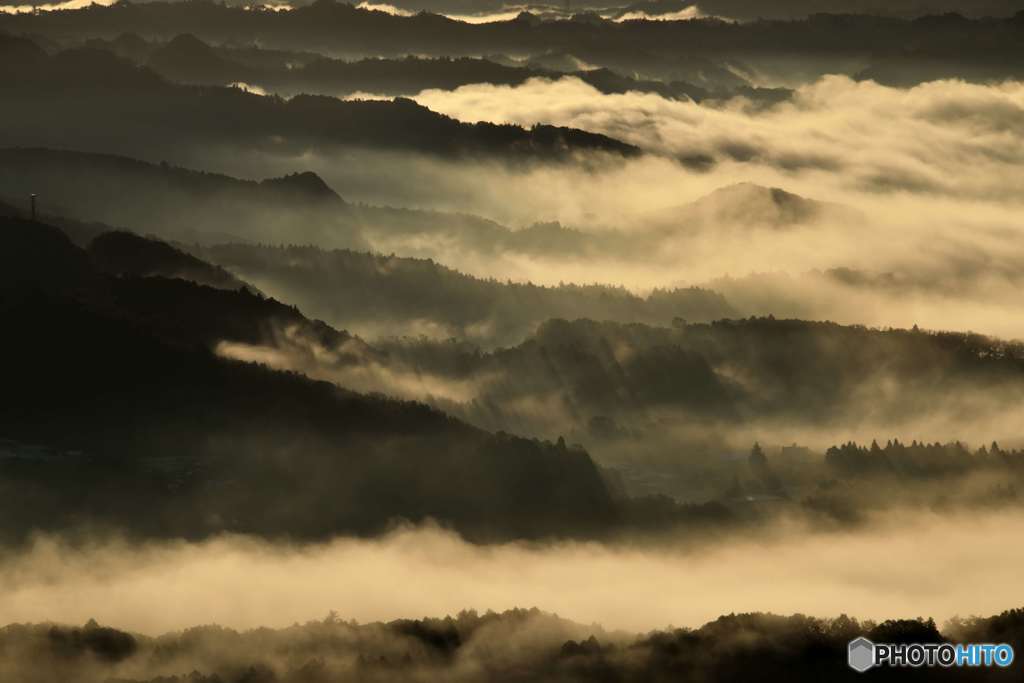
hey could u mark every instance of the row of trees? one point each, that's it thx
(919, 458)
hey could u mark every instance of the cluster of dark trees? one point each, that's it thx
(488, 647)
(919, 459)
(849, 485)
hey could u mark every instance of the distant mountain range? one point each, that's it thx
(600, 365)
(191, 206)
(709, 54)
(225, 218)
(615, 386)
(120, 106)
(187, 59)
(198, 398)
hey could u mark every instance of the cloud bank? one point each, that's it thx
(945, 137)
(904, 566)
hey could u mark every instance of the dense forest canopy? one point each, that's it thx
(537, 645)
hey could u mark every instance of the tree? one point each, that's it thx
(757, 457)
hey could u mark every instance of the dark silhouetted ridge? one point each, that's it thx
(35, 256)
(117, 102)
(187, 59)
(132, 378)
(125, 253)
(747, 202)
(303, 185)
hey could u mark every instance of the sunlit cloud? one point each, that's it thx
(685, 14)
(383, 7)
(54, 6)
(484, 18)
(863, 136)
(249, 88)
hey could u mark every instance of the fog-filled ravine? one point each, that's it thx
(478, 341)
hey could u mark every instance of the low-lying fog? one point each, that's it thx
(919, 183)
(913, 565)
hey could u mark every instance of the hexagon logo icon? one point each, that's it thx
(860, 654)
